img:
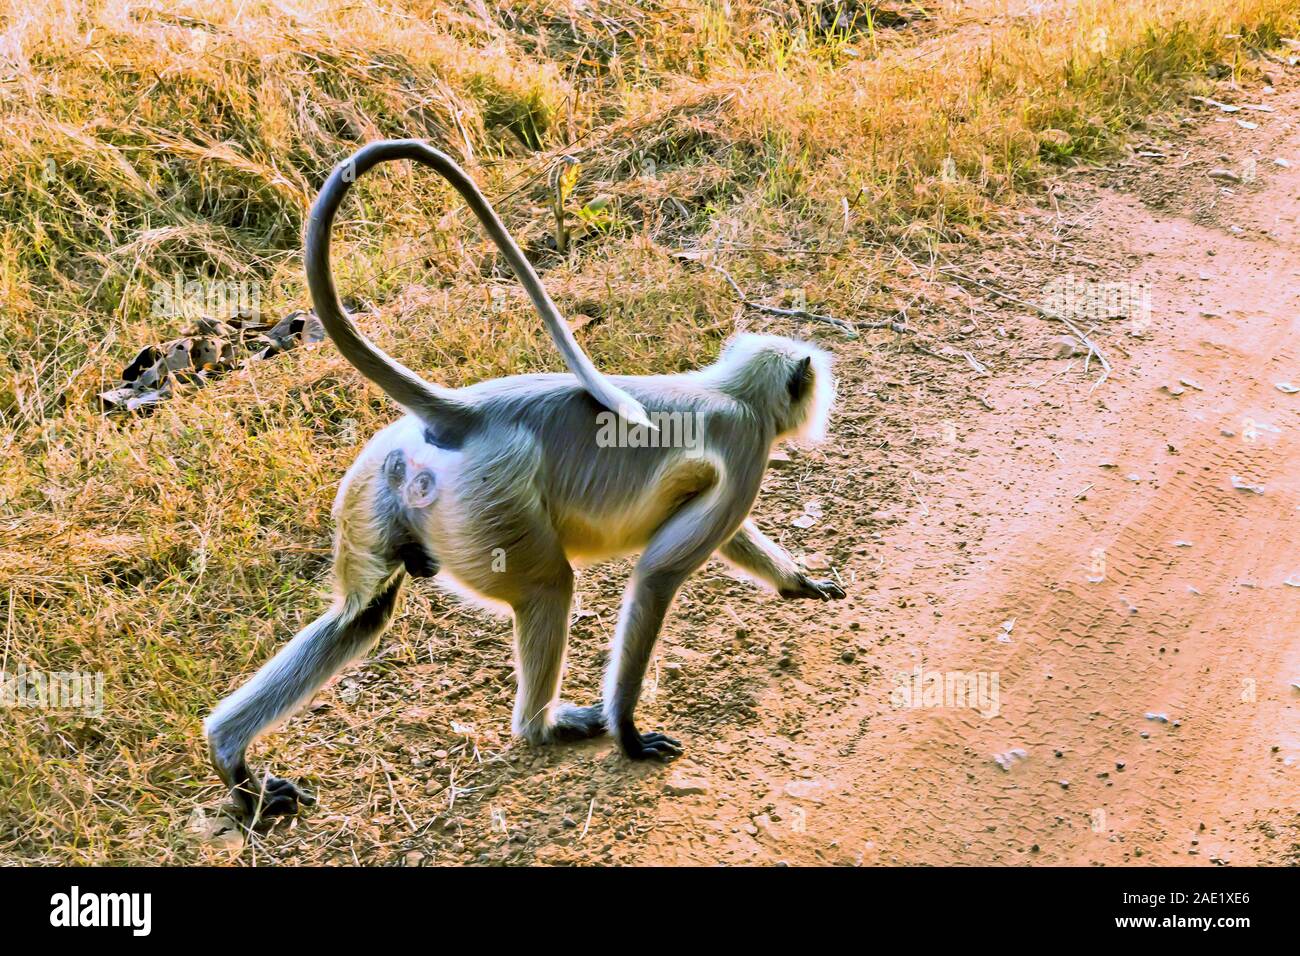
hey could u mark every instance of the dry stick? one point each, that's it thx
(1269, 56)
(1047, 313)
(845, 327)
(393, 793)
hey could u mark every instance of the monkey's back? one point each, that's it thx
(609, 484)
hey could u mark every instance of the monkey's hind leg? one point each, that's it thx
(541, 635)
(288, 681)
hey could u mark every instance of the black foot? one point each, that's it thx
(808, 589)
(274, 797)
(577, 723)
(653, 746)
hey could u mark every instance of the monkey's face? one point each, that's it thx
(811, 387)
(805, 382)
(791, 378)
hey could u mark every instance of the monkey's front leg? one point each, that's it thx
(644, 606)
(752, 551)
(682, 544)
(258, 799)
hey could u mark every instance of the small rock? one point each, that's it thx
(1226, 175)
(806, 790)
(681, 785)
(1242, 485)
(817, 561)
(1067, 346)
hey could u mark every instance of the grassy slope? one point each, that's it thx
(173, 553)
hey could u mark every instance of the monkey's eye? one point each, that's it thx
(420, 491)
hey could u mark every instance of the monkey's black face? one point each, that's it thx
(801, 386)
(800, 383)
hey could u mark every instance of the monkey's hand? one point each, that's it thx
(653, 746)
(809, 589)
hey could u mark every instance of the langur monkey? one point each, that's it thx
(499, 486)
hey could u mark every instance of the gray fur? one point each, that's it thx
(503, 485)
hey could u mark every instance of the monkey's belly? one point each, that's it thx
(596, 535)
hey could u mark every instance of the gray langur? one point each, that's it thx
(499, 486)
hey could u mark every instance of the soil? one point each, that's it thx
(1003, 516)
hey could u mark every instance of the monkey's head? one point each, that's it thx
(790, 379)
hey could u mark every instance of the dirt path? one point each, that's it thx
(1149, 587)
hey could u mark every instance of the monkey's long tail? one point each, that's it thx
(433, 403)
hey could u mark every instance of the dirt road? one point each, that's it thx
(1088, 549)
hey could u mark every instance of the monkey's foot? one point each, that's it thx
(816, 590)
(276, 797)
(652, 746)
(577, 723)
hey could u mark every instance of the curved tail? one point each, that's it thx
(437, 405)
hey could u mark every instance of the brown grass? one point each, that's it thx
(144, 142)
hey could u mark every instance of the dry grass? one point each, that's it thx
(144, 142)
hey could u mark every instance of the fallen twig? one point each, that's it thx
(846, 327)
(1047, 313)
(979, 367)
(917, 347)
(1268, 55)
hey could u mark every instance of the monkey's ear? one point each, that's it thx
(801, 379)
